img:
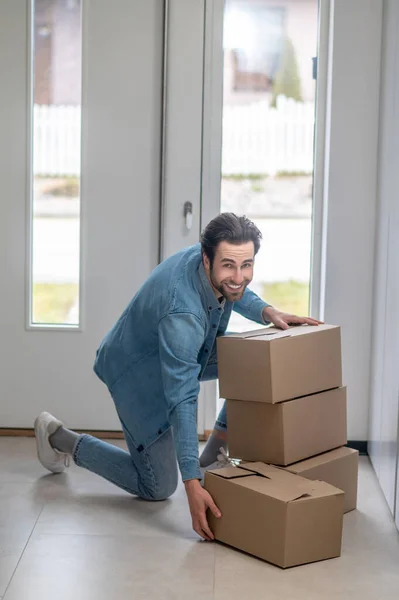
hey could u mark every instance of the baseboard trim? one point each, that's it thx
(358, 445)
(104, 435)
(205, 436)
(361, 445)
(21, 432)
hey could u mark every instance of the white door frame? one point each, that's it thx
(182, 127)
(190, 173)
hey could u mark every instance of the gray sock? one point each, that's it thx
(64, 440)
(211, 449)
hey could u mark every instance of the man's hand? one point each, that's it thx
(199, 500)
(284, 320)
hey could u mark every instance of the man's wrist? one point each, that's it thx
(190, 484)
(267, 311)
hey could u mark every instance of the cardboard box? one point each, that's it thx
(271, 365)
(285, 433)
(276, 515)
(338, 467)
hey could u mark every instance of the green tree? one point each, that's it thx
(287, 81)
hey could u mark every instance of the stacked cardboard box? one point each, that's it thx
(338, 467)
(286, 407)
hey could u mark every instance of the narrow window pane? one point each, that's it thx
(56, 54)
(268, 131)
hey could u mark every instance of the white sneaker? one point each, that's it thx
(51, 459)
(223, 460)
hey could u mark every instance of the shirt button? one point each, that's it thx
(206, 350)
(209, 307)
(214, 326)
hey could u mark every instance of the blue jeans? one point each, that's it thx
(221, 421)
(211, 373)
(151, 474)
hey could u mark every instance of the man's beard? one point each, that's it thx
(229, 294)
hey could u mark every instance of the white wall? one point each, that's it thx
(384, 413)
(350, 192)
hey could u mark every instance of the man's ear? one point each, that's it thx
(205, 260)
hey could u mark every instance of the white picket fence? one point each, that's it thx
(56, 140)
(257, 138)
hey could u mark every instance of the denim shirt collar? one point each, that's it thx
(211, 300)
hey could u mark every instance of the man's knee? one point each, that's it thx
(160, 478)
(165, 488)
(162, 488)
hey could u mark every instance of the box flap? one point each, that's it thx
(260, 468)
(297, 330)
(321, 488)
(230, 472)
(272, 333)
(280, 474)
(273, 488)
(256, 333)
(274, 482)
(284, 485)
(321, 459)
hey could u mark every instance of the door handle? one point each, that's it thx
(188, 214)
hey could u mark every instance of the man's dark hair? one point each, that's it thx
(227, 227)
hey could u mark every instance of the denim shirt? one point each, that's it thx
(154, 357)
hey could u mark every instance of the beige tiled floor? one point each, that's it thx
(76, 537)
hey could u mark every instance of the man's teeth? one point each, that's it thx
(233, 287)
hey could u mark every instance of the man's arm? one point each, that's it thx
(181, 336)
(252, 307)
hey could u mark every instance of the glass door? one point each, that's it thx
(268, 137)
(258, 140)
